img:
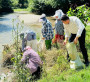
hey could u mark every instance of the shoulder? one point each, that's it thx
(48, 23)
(56, 21)
(27, 52)
(73, 18)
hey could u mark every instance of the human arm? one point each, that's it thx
(53, 28)
(66, 36)
(76, 40)
(44, 31)
(47, 31)
(80, 26)
(66, 40)
(23, 59)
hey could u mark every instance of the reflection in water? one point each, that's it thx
(5, 28)
(3, 19)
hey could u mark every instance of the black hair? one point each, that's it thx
(64, 18)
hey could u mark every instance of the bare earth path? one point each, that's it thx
(32, 21)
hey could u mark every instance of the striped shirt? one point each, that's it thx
(75, 26)
(47, 31)
(59, 27)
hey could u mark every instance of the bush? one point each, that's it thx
(82, 12)
(39, 7)
(14, 3)
(5, 6)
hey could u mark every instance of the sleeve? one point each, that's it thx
(80, 26)
(23, 44)
(44, 31)
(34, 35)
(50, 30)
(24, 57)
(66, 33)
(55, 25)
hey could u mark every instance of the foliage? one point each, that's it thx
(22, 73)
(0, 4)
(14, 3)
(39, 6)
(60, 4)
(59, 71)
(19, 9)
(5, 6)
(82, 12)
(23, 3)
(49, 6)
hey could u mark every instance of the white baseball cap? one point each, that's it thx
(42, 17)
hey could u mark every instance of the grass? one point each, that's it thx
(57, 68)
(19, 9)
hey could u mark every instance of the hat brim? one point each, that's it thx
(40, 20)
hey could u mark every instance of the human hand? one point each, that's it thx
(65, 42)
(43, 38)
(53, 28)
(76, 40)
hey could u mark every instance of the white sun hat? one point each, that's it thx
(58, 13)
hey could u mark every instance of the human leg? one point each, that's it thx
(82, 47)
(48, 44)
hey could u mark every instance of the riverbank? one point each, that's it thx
(55, 65)
(32, 21)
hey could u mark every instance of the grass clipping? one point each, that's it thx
(54, 59)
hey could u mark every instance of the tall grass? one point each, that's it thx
(57, 67)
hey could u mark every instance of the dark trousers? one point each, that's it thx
(36, 75)
(81, 43)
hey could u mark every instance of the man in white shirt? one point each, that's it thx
(75, 31)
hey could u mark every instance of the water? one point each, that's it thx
(6, 27)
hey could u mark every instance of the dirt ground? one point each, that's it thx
(33, 20)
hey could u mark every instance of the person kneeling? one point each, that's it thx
(33, 61)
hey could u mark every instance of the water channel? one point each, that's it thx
(6, 27)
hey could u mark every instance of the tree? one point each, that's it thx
(14, 3)
(82, 12)
(5, 6)
(22, 3)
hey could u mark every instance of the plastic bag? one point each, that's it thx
(32, 44)
(75, 61)
(41, 45)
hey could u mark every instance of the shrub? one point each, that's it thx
(5, 6)
(39, 7)
(82, 12)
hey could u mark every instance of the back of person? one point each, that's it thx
(47, 31)
(30, 35)
(29, 39)
(59, 28)
(32, 60)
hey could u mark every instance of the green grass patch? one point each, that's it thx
(57, 68)
(19, 9)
